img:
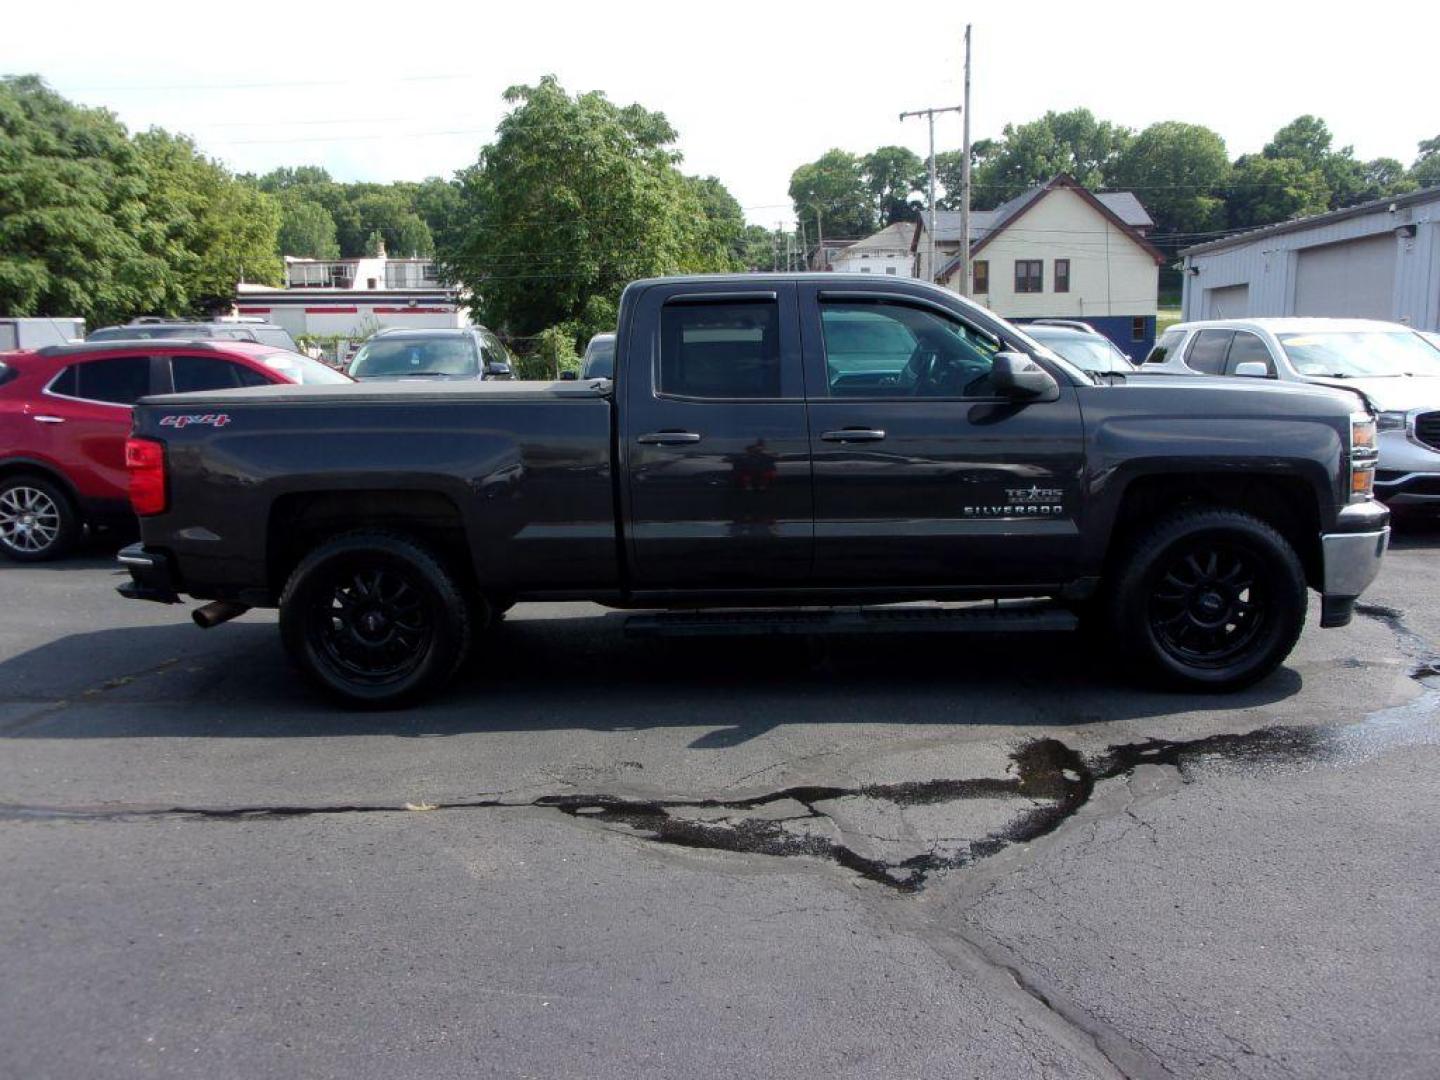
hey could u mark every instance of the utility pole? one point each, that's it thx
(819, 238)
(930, 113)
(965, 179)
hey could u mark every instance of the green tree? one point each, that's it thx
(1071, 142)
(1383, 177)
(1307, 140)
(74, 238)
(893, 175)
(1179, 172)
(834, 186)
(306, 229)
(1426, 170)
(950, 175)
(725, 221)
(1264, 190)
(575, 198)
(289, 178)
(214, 230)
(372, 208)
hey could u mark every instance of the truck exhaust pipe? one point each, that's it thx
(217, 612)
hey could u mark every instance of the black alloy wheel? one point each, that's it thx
(372, 622)
(375, 619)
(1209, 602)
(1208, 599)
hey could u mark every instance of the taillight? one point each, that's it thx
(145, 461)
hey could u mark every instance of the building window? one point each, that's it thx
(1029, 275)
(1062, 275)
(1137, 329)
(981, 272)
(864, 269)
(889, 270)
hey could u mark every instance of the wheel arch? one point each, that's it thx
(299, 521)
(1286, 501)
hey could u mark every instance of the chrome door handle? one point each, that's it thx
(668, 438)
(851, 434)
(49, 419)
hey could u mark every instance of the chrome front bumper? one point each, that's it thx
(1352, 560)
(1352, 554)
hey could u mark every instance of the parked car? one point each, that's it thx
(599, 362)
(65, 414)
(768, 441)
(1085, 349)
(36, 333)
(1432, 337)
(153, 329)
(1391, 367)
(467, 353)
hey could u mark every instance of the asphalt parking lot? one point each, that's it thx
(603, 858)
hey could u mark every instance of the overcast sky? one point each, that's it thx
(405, 91)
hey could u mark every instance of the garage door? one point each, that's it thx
(1227, 302)
(1354, 278)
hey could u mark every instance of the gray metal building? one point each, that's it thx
(1379, 260)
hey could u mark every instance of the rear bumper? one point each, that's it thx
(152, 575)
(1352, 556)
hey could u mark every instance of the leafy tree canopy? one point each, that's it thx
(1178, 171)
(75, 238)
(576, 197)
(834, 186)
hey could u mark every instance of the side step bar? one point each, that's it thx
(1031, 617)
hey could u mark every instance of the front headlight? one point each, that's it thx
(1390, 421)
(1362, 456)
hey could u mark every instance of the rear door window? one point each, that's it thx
(198, 373)
(118, 380)
(720, 350)
(1207, 351)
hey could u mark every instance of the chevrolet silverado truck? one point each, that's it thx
(775, 453)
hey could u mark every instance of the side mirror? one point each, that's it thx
(1014, 375)
(1252, 369)
(569, 376)
(496, 367)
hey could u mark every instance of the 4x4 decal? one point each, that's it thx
(215, 420)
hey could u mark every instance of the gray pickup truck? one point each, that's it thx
(774, 453)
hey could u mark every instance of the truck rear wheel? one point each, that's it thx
(374, 619)
(1210, 599)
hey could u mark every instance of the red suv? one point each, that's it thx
(65, 415)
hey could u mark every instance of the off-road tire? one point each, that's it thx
(1209, 599)
(375, 619)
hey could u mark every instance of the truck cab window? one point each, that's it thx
(1248, 348)
(1207, 351)
(720, 350)
(896, 350)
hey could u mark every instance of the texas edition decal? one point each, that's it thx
(1033, 501)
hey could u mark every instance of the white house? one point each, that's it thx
(1057, 251)
(886, 252)
(354, 297)
(1379, 260)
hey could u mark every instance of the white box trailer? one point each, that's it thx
(36, 333)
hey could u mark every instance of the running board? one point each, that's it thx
(1006, 618)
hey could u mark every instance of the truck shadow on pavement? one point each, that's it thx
(554, 674)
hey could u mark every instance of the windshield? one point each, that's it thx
(405, 358)
(1088, 352)
(301, 369)
(600, 360)
(1361, 354)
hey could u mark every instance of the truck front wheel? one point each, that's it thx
(374, 619)
(1210, 599)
